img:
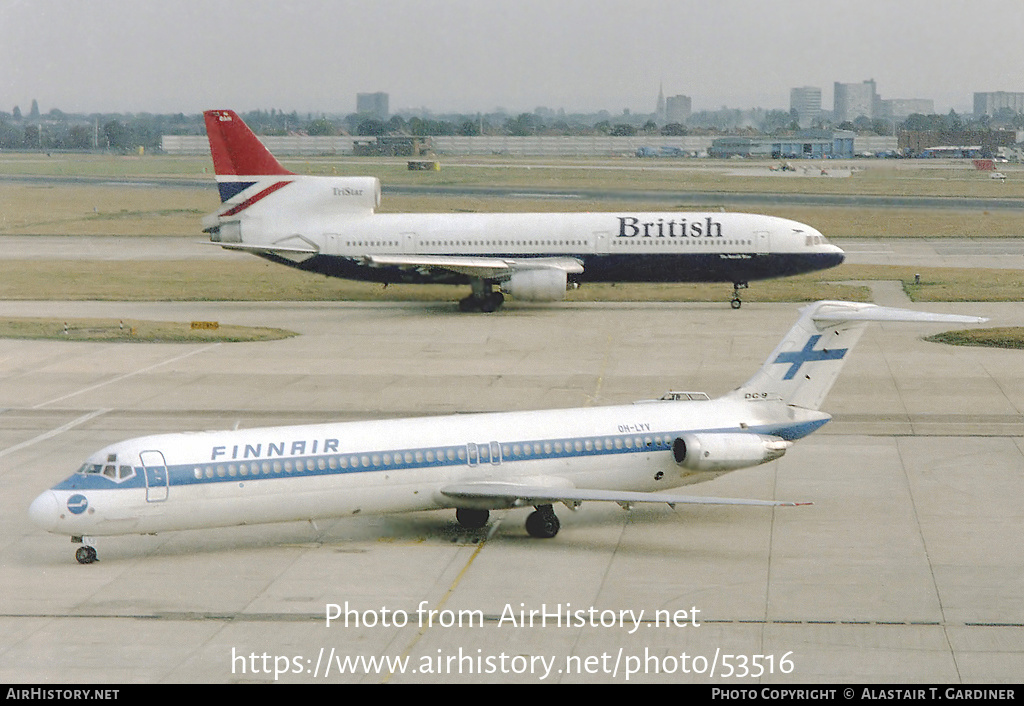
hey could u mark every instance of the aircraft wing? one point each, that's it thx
(494, 268)
(518, 495)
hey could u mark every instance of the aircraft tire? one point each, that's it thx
(542, 523)
(492, 302)
(736, 303)
(85, 555)
(471, 518)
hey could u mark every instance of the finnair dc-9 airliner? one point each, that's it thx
(473, 463)
(328, 225)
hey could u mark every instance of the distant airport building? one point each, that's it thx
(855, 100)
(372, 104)
(957, 143)
(805, 103)
(677, 109)
(832, 144)
(991, 103)
(806, 144)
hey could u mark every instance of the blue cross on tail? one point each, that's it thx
(807, 355)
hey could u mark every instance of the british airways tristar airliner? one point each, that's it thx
(474, 463)
(328, 225)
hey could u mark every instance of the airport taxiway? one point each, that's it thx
(906, 569)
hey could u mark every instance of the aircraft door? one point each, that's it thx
(409, 243)
(484, 453)
(600, 241)
(762, 242)
(157, 478)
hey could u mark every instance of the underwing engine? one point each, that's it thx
(726, 452)
(539, 285)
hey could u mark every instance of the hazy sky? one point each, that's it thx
(475, 55)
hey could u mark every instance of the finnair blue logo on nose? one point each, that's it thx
(795, 359)
(77, 504)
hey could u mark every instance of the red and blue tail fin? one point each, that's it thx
(239, 158)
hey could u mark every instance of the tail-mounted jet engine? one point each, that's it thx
(726, 452)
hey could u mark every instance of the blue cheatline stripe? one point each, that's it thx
(428, 457)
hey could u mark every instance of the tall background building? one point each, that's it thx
(855, 100)
(991, 103)
(805, 102)
(677, 109)
(374, 104)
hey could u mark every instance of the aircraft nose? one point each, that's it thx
(45, 510)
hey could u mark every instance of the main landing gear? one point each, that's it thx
(736, 287)
(470, 518)
(484, 298)
(541, 523)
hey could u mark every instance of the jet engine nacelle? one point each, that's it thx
(540, 285)
(726, 452)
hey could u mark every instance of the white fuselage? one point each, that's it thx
(212, 479)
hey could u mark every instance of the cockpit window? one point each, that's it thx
(111, 471)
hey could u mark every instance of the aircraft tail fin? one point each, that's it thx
(237, 152)
(804, 366)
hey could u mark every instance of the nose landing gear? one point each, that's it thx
(736, 287)
(86, 554)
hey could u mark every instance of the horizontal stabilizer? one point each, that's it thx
(269, 248)
(827, 314)
(805, 365)
(516, 495)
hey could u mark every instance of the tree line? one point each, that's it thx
(58, 131)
